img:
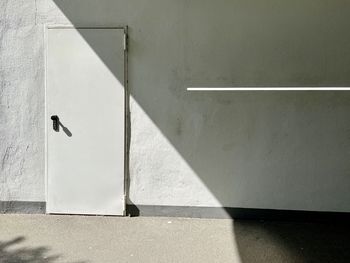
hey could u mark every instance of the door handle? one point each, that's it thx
(55, 123)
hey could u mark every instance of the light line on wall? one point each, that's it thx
(268, 89)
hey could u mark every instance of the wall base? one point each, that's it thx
(22, 207)
(236, 213)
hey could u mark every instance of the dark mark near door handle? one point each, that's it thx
(55, 123)
(56, 126)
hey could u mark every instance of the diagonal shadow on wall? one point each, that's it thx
(261, 149)
(283, 150)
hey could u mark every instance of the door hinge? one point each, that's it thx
(125, 42)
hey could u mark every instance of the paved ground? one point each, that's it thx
(46, 239)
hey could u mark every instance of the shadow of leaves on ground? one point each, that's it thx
(12, 251)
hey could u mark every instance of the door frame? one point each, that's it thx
(126, 99)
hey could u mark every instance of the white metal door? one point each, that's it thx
(84, 89)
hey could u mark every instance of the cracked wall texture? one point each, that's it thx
(21, 102)
(258, 150)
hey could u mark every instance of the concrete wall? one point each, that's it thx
(21, 102)
(283, 150)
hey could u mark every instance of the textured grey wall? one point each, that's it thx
(283, 150)
(21, 102)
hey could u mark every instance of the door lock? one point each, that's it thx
(55, 123)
